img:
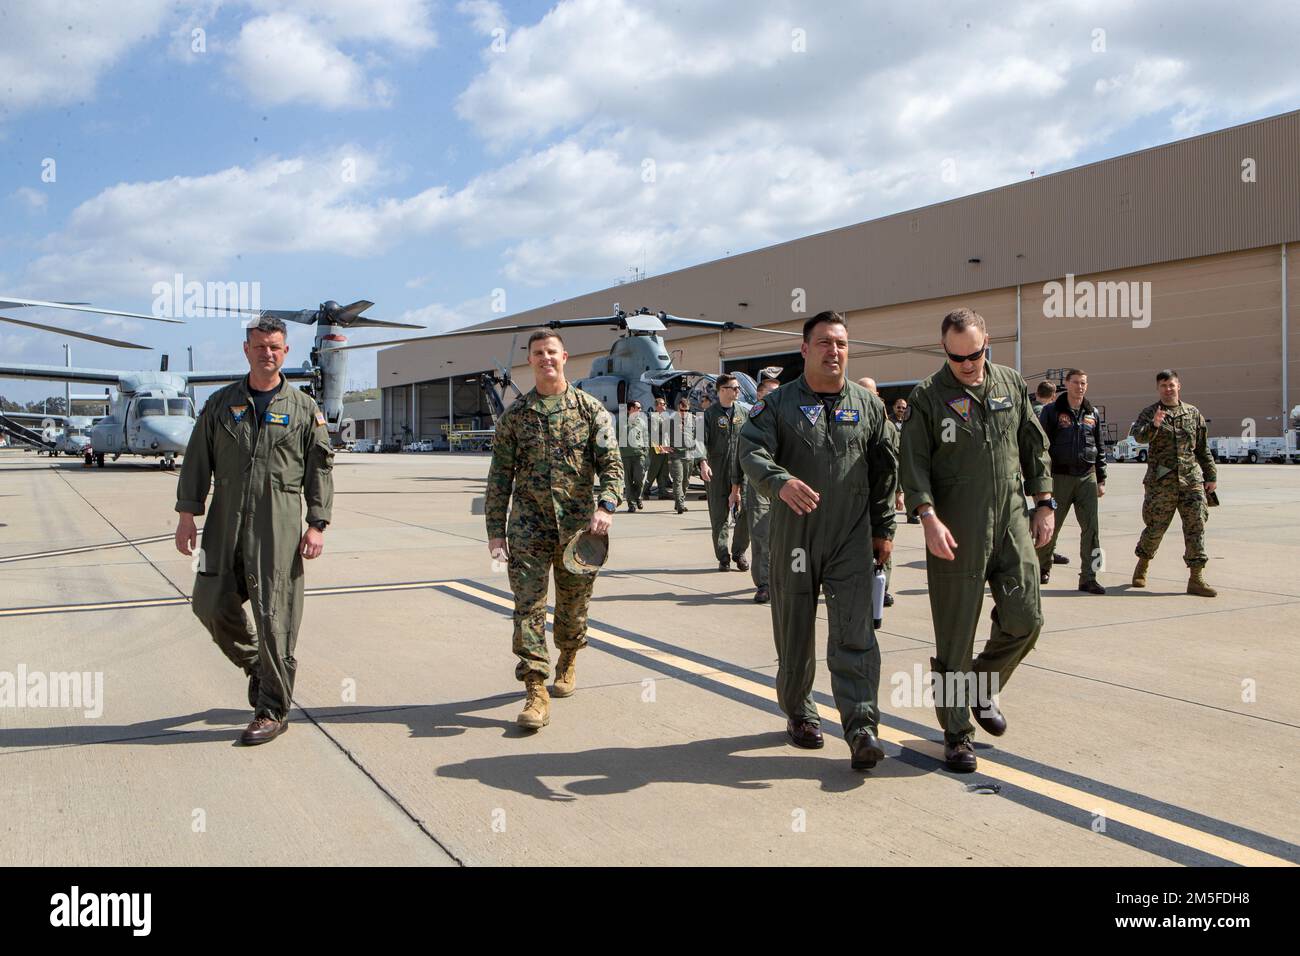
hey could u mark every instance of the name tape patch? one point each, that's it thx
(1000, 403)
(849, 415)
(272, 418)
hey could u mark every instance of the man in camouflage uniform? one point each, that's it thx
(723, 480)
(262, 446)
(548, 448)
(633, 453)
(1180, 475)
(685, 451)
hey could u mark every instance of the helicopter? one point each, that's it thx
(152, 414)
(639, 366)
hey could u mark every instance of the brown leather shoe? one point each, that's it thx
(742, 562)
(960, 757)
(989, 718)
(262, 730)
(762, 595)
(867, 751)
(724, 565)
(804, 733)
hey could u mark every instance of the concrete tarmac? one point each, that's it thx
(1148, 727)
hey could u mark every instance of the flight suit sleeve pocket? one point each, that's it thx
(292, 487)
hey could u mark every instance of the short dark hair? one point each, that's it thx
(1073, 372)
(269, 324)
(1165, 374)
(544, 334)
(834, 318)
(961, 319)
(726, 378)
(1045, 389)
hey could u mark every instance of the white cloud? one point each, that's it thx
(33, 199)
(53, 52)
(485, 15)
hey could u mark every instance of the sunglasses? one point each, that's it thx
(973, 357)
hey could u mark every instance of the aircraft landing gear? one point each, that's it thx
(167, 464)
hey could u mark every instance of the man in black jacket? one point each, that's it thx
(1078, 475)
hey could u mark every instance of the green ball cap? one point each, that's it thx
(586, 553)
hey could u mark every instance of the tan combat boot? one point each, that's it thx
(1140, 573)
(566, 674)
(1196, 585)
(537, 708)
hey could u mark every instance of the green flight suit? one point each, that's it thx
(634, 453)
(846, 457)
(974, 453)
(546, 454)
(658, 470)
(722, 428)
(684, 453)
(260, 472)
(1179, 464)
(895, 435)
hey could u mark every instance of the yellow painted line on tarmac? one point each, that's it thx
(989, 766)
(100, 606)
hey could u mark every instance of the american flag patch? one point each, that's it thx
(320, 417)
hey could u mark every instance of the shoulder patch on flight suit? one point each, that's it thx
(812, 412)
(961, 406)
(1000, 403)
(1090, 420)
(237, 412)
(273, 418)
(320, 417)
(756, 408)
(849, 415)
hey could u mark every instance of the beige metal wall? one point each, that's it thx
(1293, 325)
(1217, 320)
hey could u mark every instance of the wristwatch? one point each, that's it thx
(609, 506)
(318, 524)
(1048, 502)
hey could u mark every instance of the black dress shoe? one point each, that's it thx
(681, 509)
(761, 596)
(804, 734)
(742, 563)
(262, 730)
(867, 751)
(254, 688)
(960, 757)
(631, 508)
(889, 599)
(724, 565)
(1044, 576)
(1092, 587)
(1060, 559)
(989, 718)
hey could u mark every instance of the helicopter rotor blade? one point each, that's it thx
(347, 313)
(102, 340)
(364, 323)
(14, 302)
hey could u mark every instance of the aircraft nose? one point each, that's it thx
(169, 436)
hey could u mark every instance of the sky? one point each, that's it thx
(456, 161)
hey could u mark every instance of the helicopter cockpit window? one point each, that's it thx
(180, 406)
(147, 407)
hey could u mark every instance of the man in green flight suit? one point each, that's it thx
(658, 470)
(719, 468)
(758, 512)
(819, 445)
(683, 430)
(548, 449)
(263, 446)
(637, 436)
(1180, 477)
(971, 450)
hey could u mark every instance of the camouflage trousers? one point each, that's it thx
(531, 561)
(633, 475)
(1158, 507)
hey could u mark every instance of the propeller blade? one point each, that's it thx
(102, 340)
(875, 345)
(348, 312)
(363, 323)
(12, 301)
